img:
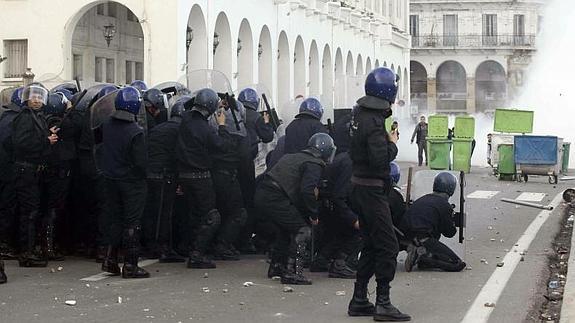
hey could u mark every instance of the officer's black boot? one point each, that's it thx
(131, 268)
(168, 255)
(360, 304)
(294, 271)
(110, 263)
(384, 310)
(199, 261)
(49, 231)
(340, 269)
(28, 256)
(277, 265)
(7, 252)
(3, 278)
(223, 251)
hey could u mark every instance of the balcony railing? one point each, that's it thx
(473, 41)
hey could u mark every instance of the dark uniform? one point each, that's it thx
(286, 195)
(197, 142)
(162, 176)
(426, 220)
(300, 130)
(124, 163)
(7, 176)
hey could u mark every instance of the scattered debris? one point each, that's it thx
(553, 284)
(52, 270)
(276, 278)
(60, 268)
(489, 228)
(146, 309)
(248, 284)
(288, 289)
(468, 268)
(340, 293)
(205, 289)
(326, 303)
(225, 290)
(522, 258)
(70, 302)
(489, 304)
(242, 303)
(500, 264)
(119, 299)
(492, 239)
(205, 275)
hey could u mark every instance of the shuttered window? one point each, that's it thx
(17, 53)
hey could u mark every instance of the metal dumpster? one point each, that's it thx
(538, 155)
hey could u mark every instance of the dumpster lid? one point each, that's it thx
(513, 121)
(438, 126)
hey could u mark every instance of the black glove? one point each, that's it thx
(458, 219)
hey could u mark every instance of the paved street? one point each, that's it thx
(177, 294)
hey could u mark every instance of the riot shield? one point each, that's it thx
(88, 99)
(348, 88)
(173, 89)
(70, 86)
(422, 184)
(102, 110)
(200, 79)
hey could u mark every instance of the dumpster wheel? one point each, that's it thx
(553, 179)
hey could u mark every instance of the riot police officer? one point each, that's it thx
(124, 162)
(197, 142)
(288, 196)
(58, 115)
(372, 149)
(7, 176)
(155, 103)
(31, 143)
(259, 129)
(426, 220)
(306, 124)
(162, 176)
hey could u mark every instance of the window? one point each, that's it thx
(100, 9)
(112, 9)
(98, 69)
(414, 29)
(449, 30)
(17, 53)
(110, 71)
(139, 71)
(129, 72)
(77, 67)
(518, 29)
(489, 29)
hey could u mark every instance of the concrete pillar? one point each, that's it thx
(471, 95)
(431, 95)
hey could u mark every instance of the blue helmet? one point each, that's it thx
(140, 85)
(129, 99)
(311, 107)
(395, 172)
(106, 90)
(156, 98)
(56, 105)
(445, 182)
(382, 83)
(66, 93)
(180, 106)
(250, 98)
(206, 102)
(323, 143)
(17, 96)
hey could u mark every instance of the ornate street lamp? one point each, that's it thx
(189, 37)
(216, 42)
(239, 46)
(109, 33)
(260, 51)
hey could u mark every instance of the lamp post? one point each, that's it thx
(189, 37)
(109, 33)
(216, 42)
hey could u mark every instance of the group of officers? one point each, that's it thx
(328, 198)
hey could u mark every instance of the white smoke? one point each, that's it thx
(549, 90)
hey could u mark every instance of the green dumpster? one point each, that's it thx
(438, 153)
(462, 154)
(506, 164)
(566, 151)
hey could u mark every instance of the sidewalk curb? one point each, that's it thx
(568, 305)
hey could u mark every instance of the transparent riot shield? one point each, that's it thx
(422, 184)
(205, 78)
(89, 97)
(173, 91)
(348, 88)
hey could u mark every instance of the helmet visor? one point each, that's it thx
(35, 93)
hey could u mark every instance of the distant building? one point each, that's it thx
(291, 47)
(470, 56)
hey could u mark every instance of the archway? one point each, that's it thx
(359, 66)
(283, 70)
(222, 46)
(418, 85)
(93, 59)
(327, 83)
(377, 63)
(349, 64)
(265, 60)
(314, 70)
(197, 50)
(245, 53)
(451, 87)
(338, 68)
(490, 86)
(368, 67)
(299, 61)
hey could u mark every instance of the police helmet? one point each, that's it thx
(250, 98)
(206, 102)
(445, 182)
(35, 90)
(311, 107)
(382, 83)
(105, 91)
(128, 99)
(66, 93)
(179, 106)
(323, 143)
(139, 85)
(156, 98)
(395, 172)
(56, 105)
(17, 96)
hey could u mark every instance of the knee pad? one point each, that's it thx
(212, 218)
(303, 235)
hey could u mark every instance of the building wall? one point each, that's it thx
(362, 28)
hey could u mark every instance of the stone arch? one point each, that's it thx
(359, 66)
(197, 52)
(338, 68)
(368, 67)
(451, 87)
(418, 85)
(377, 63)
(314, 70)
(283, 57)
(245, 53)
(299, 63)
(327, 82)
(490, 86)
(222, 46)
(349, 70)
(265, 59)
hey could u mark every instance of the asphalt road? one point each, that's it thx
(177, 294)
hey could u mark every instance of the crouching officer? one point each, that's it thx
(288, 195)
(197, 142)
(426, 220)
(162, 175)
(124, 159)
(372, 150)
